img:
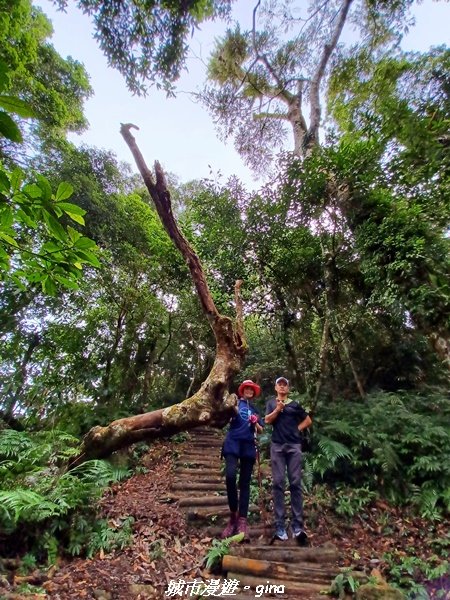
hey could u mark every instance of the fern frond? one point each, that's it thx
(333, 449)
(28, 505)
(14, 443)
(100, 471)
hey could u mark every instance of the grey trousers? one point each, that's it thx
(287, 457)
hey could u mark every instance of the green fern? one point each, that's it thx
(100, 472)
(27, 505)
(219, 548)
(14, 443)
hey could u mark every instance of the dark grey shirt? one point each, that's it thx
(285, 427)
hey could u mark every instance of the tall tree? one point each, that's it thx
(212, 403)
(262, 80)
(54, 87)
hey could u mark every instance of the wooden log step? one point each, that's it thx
(256, 531)
(279, 570)
(205, 513)
(204, 501)
(201, 472)
(289, 586)
(191, 454)
(319, 554)
(188, 485)
(185, 461)
(206, 443)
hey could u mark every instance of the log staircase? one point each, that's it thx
(200, 491)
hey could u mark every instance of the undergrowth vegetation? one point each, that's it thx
(46, 509)
(392, 445)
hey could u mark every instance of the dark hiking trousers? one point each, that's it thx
(287, 457)
(245, 474)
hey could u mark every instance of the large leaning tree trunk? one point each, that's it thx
(212, 404)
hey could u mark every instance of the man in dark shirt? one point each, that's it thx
(288, 419)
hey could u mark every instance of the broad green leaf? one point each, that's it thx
(8, 128)
(77, 218)
(6, 218)
(45, 186)
(64, 191)
(85, 243)
(69, 283)
(50, 247)
(25, 218)
(32, 190)
(16, 179)
(73, 233)
(73, 209)
(48, 286)
(89, 257)
(36, 276)
(8, 239)
(4, 182)
(55, 227)
(16, 105)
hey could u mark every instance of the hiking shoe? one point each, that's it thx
(231, 528)
(300, 536)
(242, 527)
(281, 534)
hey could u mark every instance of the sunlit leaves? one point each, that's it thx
(36, 247)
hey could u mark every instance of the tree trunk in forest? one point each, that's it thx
(212, 404)
(10, 404)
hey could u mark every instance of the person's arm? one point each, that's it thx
(270, 417)
(305, 423)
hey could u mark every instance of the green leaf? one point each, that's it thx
(16, 179)
(16, 105)
(84, 243)
(22, 216)
(54, 226)
(6, 218)
(8, 239)
(77, 218)
(3, 75)
(8, 128)
(73, 209)
(4, 182)
(32, 190)
(73, 234)
(69, 283)
(89, 257)
(64, 191)
(48, 286)
(45, 186)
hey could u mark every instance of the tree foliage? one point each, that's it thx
(147, 42)
(266, 83)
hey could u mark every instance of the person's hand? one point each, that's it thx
(253, 419)
(280, 406)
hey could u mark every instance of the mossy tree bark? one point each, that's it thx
(212, 404)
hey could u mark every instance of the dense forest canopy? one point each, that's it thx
(343, 254)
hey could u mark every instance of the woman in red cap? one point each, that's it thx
(239, 447)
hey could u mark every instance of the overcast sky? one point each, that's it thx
(178, 132)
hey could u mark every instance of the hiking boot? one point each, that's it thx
(242, 527)
(231, 528)
(281, 534)
(300, 536)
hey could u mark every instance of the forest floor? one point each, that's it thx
(164, 548)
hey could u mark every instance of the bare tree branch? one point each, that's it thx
(161, 197)
(314, 124)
